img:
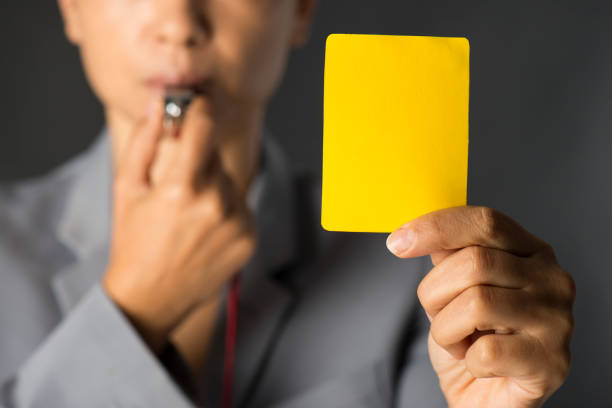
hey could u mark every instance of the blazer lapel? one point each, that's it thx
(83, 226)
(266, 300)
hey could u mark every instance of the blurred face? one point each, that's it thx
(233, 51)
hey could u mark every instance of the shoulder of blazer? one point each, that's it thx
(30, 206)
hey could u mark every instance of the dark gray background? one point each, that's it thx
(540, 119)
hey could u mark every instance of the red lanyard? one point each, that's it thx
(230, 335)
(230, 341)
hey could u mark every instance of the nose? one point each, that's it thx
(181, 23)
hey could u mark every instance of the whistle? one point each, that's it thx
(176, 101)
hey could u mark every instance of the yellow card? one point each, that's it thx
(395, 129)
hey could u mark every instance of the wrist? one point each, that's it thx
(153, 328)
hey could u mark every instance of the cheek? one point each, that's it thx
(252, 58)
(109, 67)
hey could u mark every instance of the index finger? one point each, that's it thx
(459, 227)
(135, 161)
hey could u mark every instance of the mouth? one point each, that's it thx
(178, 91)
(180, 83)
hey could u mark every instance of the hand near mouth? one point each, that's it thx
(180, 228)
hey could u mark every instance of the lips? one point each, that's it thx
(196, 83)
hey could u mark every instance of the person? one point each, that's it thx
(115, 266)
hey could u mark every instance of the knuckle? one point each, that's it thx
(556, 342)
(557, 333)
(562, 326)
(178, 194)
(479, 301)
(490, 221)
(565, 286)
(570, 287)
(557, 327)
(489, 351)
(436, 227)
(124, 189)
(567, 329)
(212, 205)
(548, 252)
(423, 294)
(482, 260)
(437, 333)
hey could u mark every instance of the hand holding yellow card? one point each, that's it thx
(395, 129)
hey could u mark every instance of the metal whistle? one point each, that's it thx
(176, 101)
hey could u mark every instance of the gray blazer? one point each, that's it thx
(325, 319)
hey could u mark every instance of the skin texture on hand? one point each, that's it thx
(176, 240)
(500, 307)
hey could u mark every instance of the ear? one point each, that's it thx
(304, 11)
(70, 16)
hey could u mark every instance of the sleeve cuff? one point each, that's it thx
(95, 358)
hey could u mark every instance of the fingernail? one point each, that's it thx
(428, 316)
(400, 241)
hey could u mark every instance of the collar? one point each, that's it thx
(84, 223)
